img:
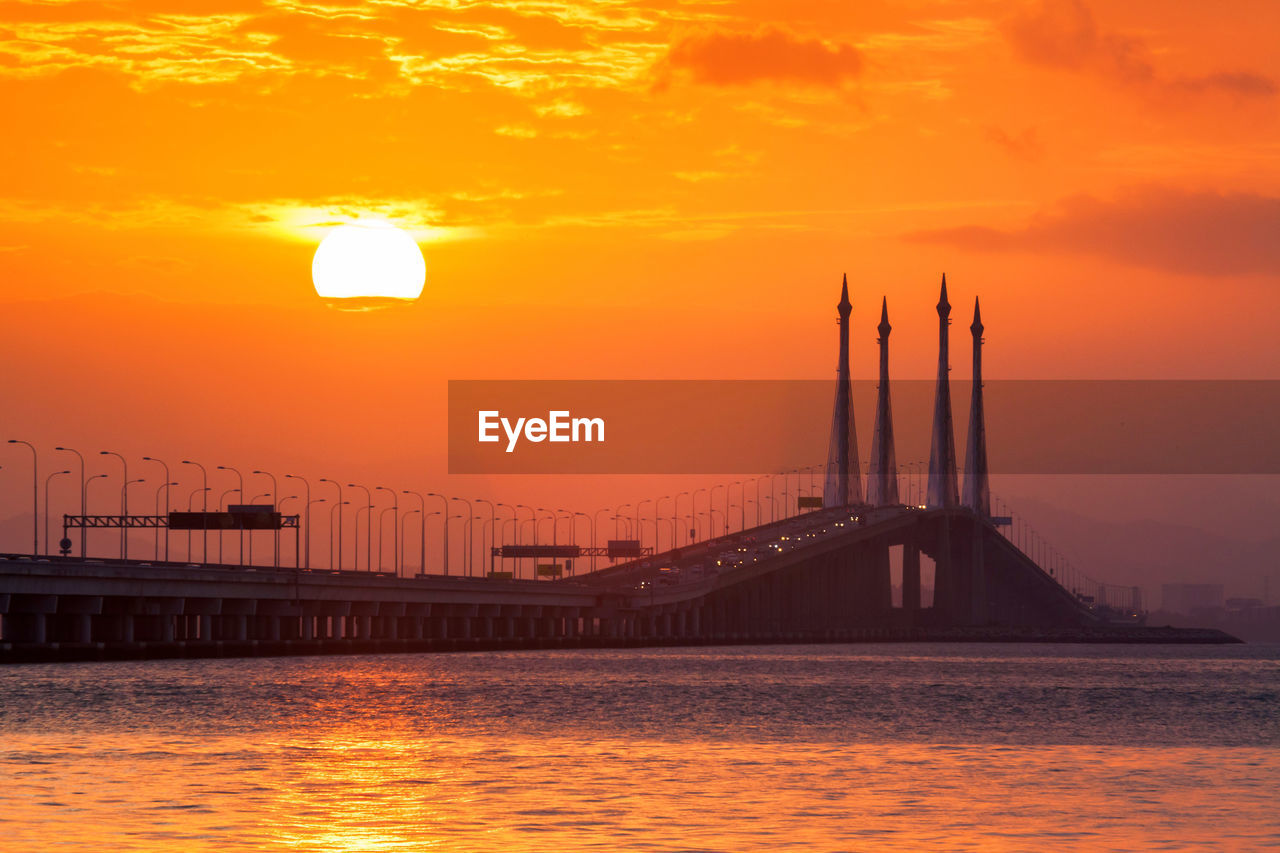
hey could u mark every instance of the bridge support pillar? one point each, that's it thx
(911, 579)
(944, 578)
(977, 576)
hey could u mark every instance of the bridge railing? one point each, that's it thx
(1122, 601)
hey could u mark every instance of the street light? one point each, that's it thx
(338, 506)
(124, 503)
(468, 535)
(83, 530)
(309, 503)
(254, 500)
(307, 512)
(368, 528)
(35, 496)
(395, 535)
(639, 529)
(395, 531)
(47, 480)
(222, 506)
(519, 525)
(422, 505)
(493, 530)
(240, 480)
(617, 512)
(444, 523)
(275, 492)
(693, 502)
(204, 510)
(165, 486)
(124, 519)
(404, 528)
(164, 465)
(592, 522)
(204, 492)
(90, 480)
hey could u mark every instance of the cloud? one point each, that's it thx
(1201, 233)
(1025, 145)
(720, 58)
(1063, 34)
(183, 48)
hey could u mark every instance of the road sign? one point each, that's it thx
(550, 570)
(535, 551)
(814, 502)
(624, 548)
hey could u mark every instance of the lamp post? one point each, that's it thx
(404, 528)
(163, 487)
(592, 524)
(124, 518)
(693, 502)
(493, 531)
(124, 503)
(275, 492)
(254, 500)
(711, 502)
(676, 511)
(165, 466)
(395, 531)
(444, 521)
(533, 518)
(338, 506)
(639, 529)
(395, 535)
(222, 506)
(368, 528)
(240, 480)
(47, 480)
(204, 481)
(311, 501)
(307, 512)
(501, 533)
(467, 536)
(422, 506)
(83, 530)
(445, 518)
(657, 510)
(190, 502)
(35, 496)
(368, 531)
(616, 513)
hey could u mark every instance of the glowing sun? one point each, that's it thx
(368, 263)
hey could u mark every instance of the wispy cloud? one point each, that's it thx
(1181, 231)
(1063, 34)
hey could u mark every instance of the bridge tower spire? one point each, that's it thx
(943, 489)
(882, 478)
(842, 485)
(977, 490)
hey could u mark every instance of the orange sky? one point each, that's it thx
(604, 188)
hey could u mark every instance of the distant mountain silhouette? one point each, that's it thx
(1149, 553)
